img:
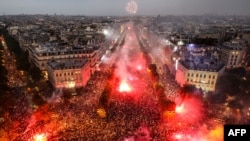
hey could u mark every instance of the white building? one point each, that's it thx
(202, 78)
(200, 66)
(40, 55)
(68, 73)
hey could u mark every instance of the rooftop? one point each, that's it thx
(67, 63)
(233, 46)
(50, 50)
(203, 64)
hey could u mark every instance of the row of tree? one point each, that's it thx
(167, 106)
(3, 73)
(22, 57)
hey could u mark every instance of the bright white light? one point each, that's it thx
(191, 45)
(103, 58)
(124, 87)
(178, 136)
(167, 42)
(139, 67)
(71, 84)
(179, 109)
(40, 137)
(180, 43)
(105, 32)
(175, 48)
(176, 64)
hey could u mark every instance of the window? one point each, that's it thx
(188, 74)
(209, 76)
(213, 76)
(200, 75)
(197, 75)
(204, 76)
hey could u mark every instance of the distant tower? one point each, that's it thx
(222, 35)
(158, 18)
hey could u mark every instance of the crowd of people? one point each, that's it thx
(78, 120)
(15, 77)
(134, 114)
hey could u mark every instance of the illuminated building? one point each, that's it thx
(68, 73)
(200, 67)
(42, 54)
(232, 53)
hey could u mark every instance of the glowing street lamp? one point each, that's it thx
(105, 32)
(167, 42)
(176, 59)
(175, 48)
(180, 43)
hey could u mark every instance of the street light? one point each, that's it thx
(180, 43)
(176, 59)
(105, 32)
(167, 42)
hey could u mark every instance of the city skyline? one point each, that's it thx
(117, 8)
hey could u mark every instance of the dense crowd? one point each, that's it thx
(134, 114)
(77, 119)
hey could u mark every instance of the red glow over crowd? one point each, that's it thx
(133, 101)
(189, 110)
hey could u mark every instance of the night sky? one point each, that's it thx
(117, 7)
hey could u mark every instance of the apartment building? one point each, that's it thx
(232, 54)
(68, 73)
(200, 66)
(40, 55)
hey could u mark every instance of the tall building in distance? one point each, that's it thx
(232, 54)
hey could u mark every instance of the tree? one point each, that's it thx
(93, 26)
(35, 73)
(38, 100)
(189, 90)
(228, 83)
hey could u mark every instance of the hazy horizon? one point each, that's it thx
(117, 7)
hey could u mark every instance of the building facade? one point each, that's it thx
(202, 78)
(40, 55)
(68, 73)
(199, 66)
(232, 54)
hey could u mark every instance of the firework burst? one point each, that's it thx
(131, 7)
